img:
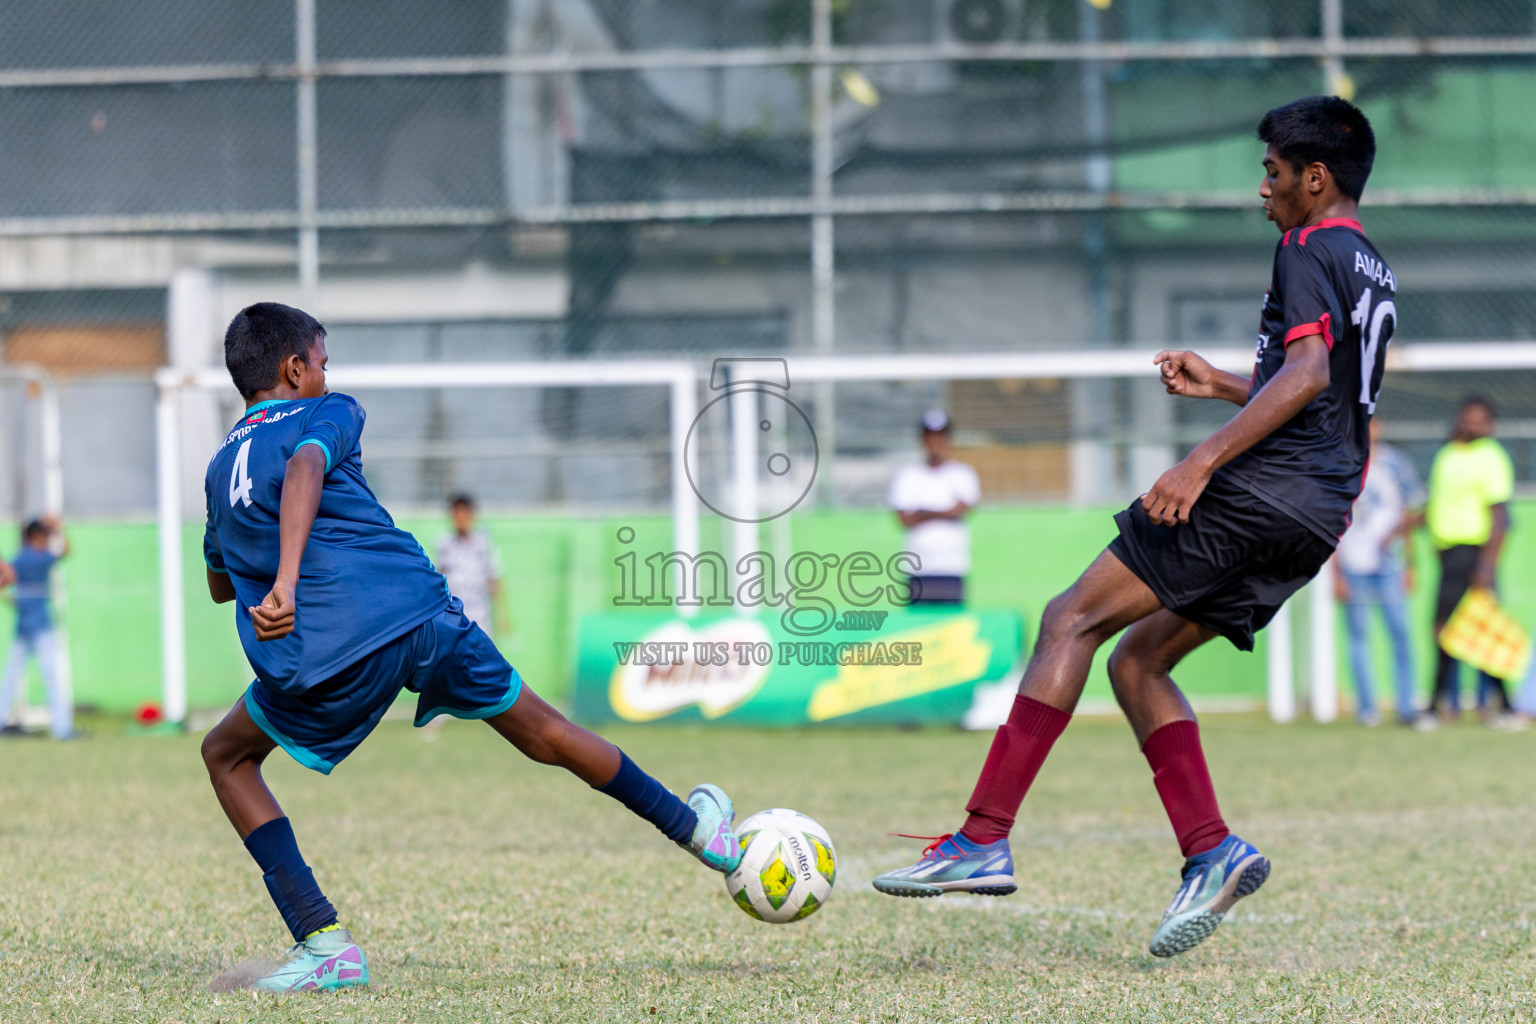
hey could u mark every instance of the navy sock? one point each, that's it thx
(292, 885)
(651, 800)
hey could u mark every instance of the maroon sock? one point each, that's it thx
(1017, 753)
(1184, 783)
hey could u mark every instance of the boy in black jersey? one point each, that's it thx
(1221, 539)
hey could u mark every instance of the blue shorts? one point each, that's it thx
(448, 660)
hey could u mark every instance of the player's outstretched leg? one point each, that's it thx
(323, 955)
(1219, 868)
(702, 826)
(1105, 599)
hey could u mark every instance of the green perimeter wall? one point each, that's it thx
(559, 568)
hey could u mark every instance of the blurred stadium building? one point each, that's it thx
(538, 179)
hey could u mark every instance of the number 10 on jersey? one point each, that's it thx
(1371, 324)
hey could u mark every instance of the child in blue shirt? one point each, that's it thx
(42, 544)
(338, 611)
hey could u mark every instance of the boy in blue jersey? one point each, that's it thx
(338, 610)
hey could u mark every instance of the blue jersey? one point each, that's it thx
(363, 582)
(32, 568)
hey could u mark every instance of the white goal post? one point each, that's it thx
(684, 380)
(680, 378)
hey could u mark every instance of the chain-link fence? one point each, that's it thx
(572, 179)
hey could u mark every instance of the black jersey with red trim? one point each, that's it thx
(1328, 280)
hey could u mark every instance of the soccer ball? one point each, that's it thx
(787, 866)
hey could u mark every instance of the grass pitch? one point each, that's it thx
(486, 888)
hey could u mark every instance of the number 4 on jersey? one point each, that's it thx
(240, 477)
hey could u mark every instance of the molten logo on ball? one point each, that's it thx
(787, 868)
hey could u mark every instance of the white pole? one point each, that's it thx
(745, 415)
(1332, 16)
(1324, 654)
(173, 650)
(307, 153)
(1282, 685)
(53, 504)
(685, 503)
(823, 246)
(53, 448)
(823, 254)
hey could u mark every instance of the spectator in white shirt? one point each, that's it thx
(931, 501)
(472, 566)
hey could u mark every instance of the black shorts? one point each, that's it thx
(937, 589)
(1230, 568)
(1458, 564)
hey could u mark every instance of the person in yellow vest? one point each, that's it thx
(1467, 515)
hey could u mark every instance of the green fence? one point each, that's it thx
(559, 569)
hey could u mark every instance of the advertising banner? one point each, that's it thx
(896, 667)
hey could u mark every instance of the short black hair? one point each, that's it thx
(34, 528)
(1325, 130)
(1471, 400)
(461, 499)
(260, 337)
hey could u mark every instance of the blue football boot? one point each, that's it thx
(1213, 881)
(952, 863)
(327, 959)
(714, 841)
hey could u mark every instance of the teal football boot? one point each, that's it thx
(327, 959)
(952, 863)
(713, 842)
(1213, 881)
